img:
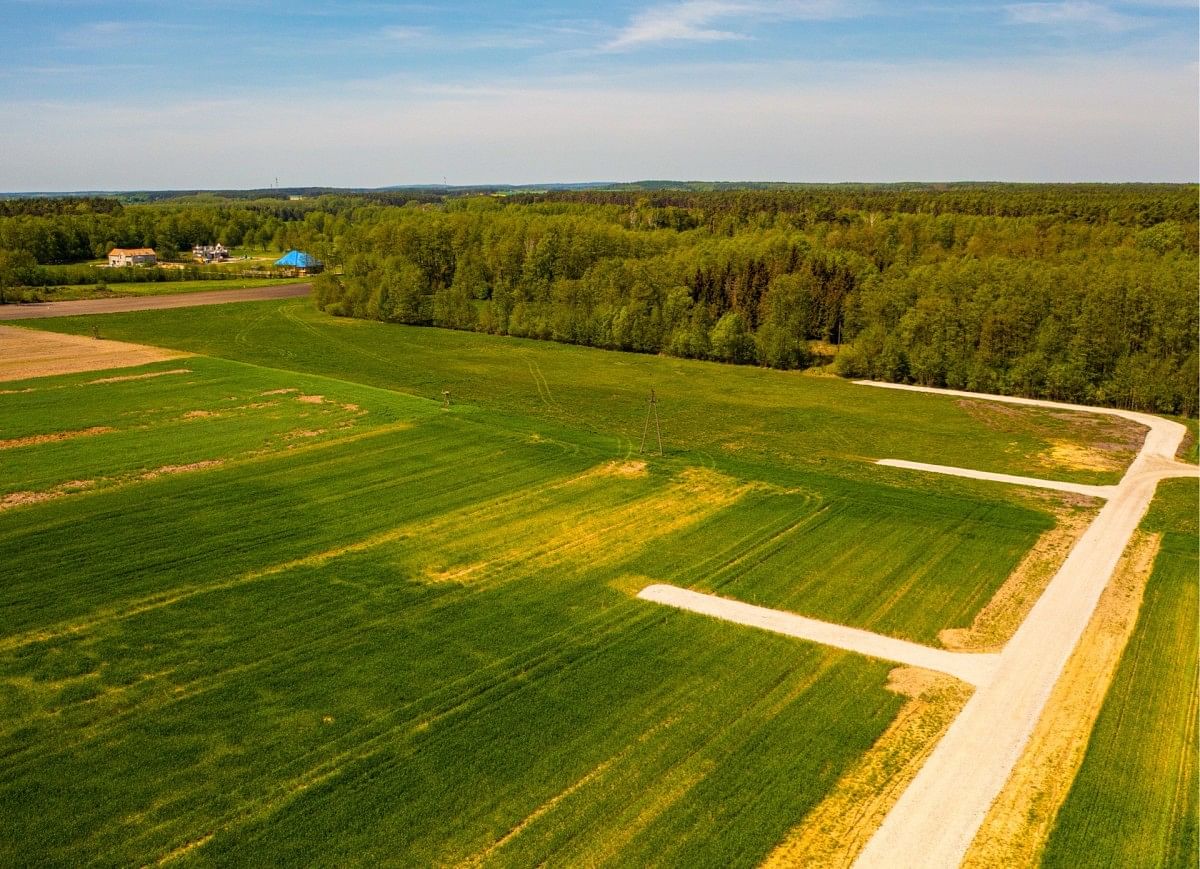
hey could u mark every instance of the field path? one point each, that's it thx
(938, 815)
(1058, 485)
(37, 310)
(972, 667)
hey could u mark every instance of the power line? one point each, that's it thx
(651, 408)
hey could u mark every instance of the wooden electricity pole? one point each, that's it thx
(651, 408)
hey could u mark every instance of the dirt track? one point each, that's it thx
(35, 310)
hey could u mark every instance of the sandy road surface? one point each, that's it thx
(150, 303)
(28, 353)
(1076, 488)
(971, 667)
(940, 812)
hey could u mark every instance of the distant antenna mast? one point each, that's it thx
(651, 409)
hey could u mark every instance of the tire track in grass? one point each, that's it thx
(473, 693)
(684, 773)
(525, 673)
(129, 609)
(458, 695)
(480, 857)
(556, 551)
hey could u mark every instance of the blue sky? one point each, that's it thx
(100, 95)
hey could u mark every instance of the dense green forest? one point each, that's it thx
(1082, 293)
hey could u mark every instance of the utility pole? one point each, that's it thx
(651, 408)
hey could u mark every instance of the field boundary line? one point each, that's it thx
(974, 668)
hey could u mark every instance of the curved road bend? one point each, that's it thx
(938, 815)
(37, 310)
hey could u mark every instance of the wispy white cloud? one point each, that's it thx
(716, 20)
(1071, 13)
(109, 34)
(428, 38)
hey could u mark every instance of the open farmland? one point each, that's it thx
(338, 621)
(774, 421)
(1134, 800)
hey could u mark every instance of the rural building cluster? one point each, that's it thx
(210, 253)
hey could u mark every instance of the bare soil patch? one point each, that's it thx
(34, 440)
(837, 829)
(26, 353)
(1017, 825)
(20, 499)
(627, 469)
(146, 376)
(181, 469)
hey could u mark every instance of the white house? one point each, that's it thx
(132, 256)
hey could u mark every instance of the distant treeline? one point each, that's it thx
(1140, 205)
(72, 230)
(1082, 293)
(987, 290)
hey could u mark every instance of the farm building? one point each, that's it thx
(300, 261)
(210, 253)
(132, 256)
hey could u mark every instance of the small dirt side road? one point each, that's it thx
(36, 310)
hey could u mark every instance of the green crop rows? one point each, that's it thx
(271, 614)
(1134, 801)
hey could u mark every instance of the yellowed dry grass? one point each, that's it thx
(560, 537)
(837, 829)
(1015, 829)
(1003, 614)
(1080, 457)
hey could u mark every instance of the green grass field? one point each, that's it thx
(283, 607)
(1134, 802)
(778, 422)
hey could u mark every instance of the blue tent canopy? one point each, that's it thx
(297, 259)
